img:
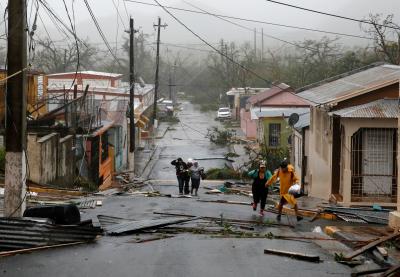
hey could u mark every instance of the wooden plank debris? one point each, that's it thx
(394, 271)
(294, 255)
(220, 201)
(27, 250)
(369, 271)
(371, 245)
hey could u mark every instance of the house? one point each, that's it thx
(108, 93)
(353, 136)
(238, 98)
(276, 102)
(35, 92)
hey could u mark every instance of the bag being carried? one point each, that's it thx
(296, 191)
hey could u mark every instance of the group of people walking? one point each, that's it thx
(289, 189)
(188, 172)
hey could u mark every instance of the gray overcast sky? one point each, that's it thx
(213, 29)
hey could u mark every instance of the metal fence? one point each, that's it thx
(374, 165)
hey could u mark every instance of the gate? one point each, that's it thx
(374, 165)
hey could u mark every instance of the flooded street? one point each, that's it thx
(186, 139)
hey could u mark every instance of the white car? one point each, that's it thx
(224, 113)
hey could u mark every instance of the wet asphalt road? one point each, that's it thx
(185, 254)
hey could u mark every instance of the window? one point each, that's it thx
(274, 134)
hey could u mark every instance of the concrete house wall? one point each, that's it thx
(50, 159)
(320, 152)
(351, 126)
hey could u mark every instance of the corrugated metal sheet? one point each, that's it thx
(21, 233)
(383, 108)
(125, 227)
(304, 121)
(323, 93)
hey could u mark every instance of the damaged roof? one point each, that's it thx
(351, 83)
(383, 108)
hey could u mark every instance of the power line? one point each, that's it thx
(256, 21)
(101, 32)
(118, 14)
(57, 18)
(251, 30)
(211, 46)
(333, 15)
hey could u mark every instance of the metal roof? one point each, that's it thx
(304, 121)
(279, 112)
(20, 233)
(268, 93)
(359, 82)
(383, 108)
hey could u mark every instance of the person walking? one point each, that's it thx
(288, 180)
(181, 173)
(260, 190)
(195, 175)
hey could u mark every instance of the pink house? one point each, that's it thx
(280, 96)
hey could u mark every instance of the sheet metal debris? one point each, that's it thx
(368, 215)
(131, 226)
(294, 255)
(22, 233)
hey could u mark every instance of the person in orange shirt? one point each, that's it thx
(287, 178)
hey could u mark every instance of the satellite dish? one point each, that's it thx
(293, 119)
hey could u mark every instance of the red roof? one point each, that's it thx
(281, 95)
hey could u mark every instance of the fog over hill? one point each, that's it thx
(211, 28)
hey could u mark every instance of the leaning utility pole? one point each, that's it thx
(157, 68)
(131, 158)
(15, 169)
(131, 88)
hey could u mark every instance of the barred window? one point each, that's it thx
(274, 134)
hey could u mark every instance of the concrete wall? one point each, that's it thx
(350, 127)
(320, 151)
(299, 154)
(66, 162)
(248, 126)
(42, 158)
(51, 160)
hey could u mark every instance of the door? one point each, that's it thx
(377, 163)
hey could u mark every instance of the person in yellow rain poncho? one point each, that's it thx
(288, 180)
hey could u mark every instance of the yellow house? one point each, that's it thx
(36, 92)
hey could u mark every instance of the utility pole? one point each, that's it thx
(131, 87)
(255, 42)
(262, 44)
(157, 68)
(15, 168)
(131, 155)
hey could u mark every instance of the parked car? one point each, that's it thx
(224, 113)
